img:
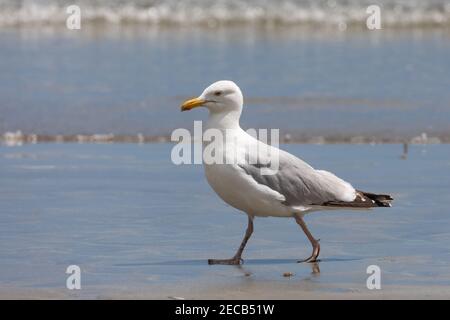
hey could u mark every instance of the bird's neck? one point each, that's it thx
(222, 120)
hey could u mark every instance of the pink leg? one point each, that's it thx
(315, 243)
(237, 259)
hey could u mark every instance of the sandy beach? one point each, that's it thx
(121, 212)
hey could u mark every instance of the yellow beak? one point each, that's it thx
(192, 103)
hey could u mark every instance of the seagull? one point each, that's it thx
(293, 190)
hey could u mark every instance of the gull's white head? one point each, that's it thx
(220, 97)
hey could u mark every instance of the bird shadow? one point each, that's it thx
(165, 263)
(340, 259)
(203, 262)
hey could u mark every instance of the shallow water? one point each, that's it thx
(303, 80)
(139, 226)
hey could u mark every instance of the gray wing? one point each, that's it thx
(300, 183)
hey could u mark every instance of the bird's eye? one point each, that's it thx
(217, 93)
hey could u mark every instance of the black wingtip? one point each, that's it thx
(380, 200)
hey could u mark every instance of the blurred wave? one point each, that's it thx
(342, 13)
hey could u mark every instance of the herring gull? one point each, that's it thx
(293, 190)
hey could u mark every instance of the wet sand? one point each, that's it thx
(140, 227)
(297, 290)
